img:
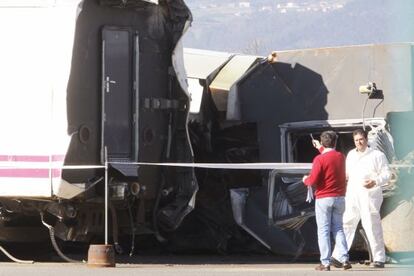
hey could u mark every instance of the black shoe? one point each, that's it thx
(336, 263)
(322, 267)
(346, 265)
(378, 264)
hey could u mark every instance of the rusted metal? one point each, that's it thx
(101, 255)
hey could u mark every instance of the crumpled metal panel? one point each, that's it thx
(200, 64)
(228, 76)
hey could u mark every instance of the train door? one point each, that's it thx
(119, 94)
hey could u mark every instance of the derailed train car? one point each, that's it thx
(105, 84)
(252, 109)
(87, 83)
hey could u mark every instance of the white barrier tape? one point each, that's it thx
(252, 166)
(20, 165)
(236, 166)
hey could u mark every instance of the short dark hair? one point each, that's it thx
(360, 131)
(328, 139)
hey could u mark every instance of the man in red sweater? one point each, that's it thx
(328, 177)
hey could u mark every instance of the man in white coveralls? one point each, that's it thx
(367, 171)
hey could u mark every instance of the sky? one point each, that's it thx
(230, 26)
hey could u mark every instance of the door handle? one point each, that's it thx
(107, 83)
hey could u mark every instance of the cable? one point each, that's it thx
(131, 219)
(54, 243)
(115, 235)
(14, 259)
(363, 111)
(375, 109)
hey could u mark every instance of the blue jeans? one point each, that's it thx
(328, 212)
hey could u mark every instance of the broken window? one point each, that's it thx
(297, 137)
(289, 207)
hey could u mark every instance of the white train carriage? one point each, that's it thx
(35, 56)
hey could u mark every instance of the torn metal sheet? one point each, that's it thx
(238, 204)
(200, 64)
(228, 76)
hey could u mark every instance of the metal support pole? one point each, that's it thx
(106, 196)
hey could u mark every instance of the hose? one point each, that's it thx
(363, 111)
(131, 219)
(14, 259)
(54, 243)
(118, 248)
(157, 234)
